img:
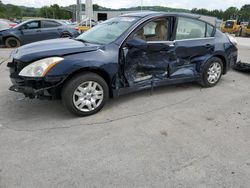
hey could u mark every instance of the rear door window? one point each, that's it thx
(50, 24)
(210, 31)
(190, 29)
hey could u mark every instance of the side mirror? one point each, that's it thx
(137, 43)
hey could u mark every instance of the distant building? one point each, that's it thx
(89, 13)
(105, 15)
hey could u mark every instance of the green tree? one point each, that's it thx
(55, 12)
(245, 12)
(231, 13)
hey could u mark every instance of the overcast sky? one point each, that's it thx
(188, 4)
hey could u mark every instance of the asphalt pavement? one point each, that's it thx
(180, 136)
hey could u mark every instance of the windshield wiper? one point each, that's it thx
(82, 40)
(90, 42)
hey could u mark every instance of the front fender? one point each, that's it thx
(8, 34)
(100, 60)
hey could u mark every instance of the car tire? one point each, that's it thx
(212, 72)
(12, 42)
(66, 35)
(85, 94)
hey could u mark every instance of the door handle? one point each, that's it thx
(208, 46)
(38, 31)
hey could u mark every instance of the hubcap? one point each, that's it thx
(88, 96)
(214, 73)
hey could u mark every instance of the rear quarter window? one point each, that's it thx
(210, 31)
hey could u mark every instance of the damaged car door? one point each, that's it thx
(194, 43)
(147, 53)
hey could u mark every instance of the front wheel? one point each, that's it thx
(212, 72)
(12, 42)
(85, 94)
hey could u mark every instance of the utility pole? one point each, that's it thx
(141, 5)
(89, 9)
(78, 10)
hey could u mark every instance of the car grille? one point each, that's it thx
(15, 68)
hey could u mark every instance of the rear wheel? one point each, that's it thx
(85, 94)
(12, 42)
(212, 72)
(66, 35)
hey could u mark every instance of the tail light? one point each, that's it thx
(233, 40)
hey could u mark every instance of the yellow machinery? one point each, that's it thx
(85, 25)
(246, 30)
(231, 26)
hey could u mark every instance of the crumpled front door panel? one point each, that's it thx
(151, 62)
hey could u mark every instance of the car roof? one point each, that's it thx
(41, 19)
(152, 13)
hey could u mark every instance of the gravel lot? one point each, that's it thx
(181, 136)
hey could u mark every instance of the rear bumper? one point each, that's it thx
(231, 56)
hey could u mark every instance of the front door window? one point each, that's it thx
(156, 30)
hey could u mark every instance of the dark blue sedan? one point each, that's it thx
(122, 55)
(35, 30)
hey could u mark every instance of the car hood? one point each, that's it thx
(49, 48)
(4, 29)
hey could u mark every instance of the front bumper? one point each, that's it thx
(37, 89)
(47, 87)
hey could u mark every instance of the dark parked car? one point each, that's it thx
(122, 55)
(36, 30)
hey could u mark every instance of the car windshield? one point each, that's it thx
(108, 31)
(229, 24)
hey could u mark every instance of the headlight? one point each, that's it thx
(40, 68)
(233, 40)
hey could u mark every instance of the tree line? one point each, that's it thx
(242, 14)
(57, 12)
(53, 11)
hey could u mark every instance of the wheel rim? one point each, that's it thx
(88, 96)
(214, 73)
(12, 43)
(66, 36)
